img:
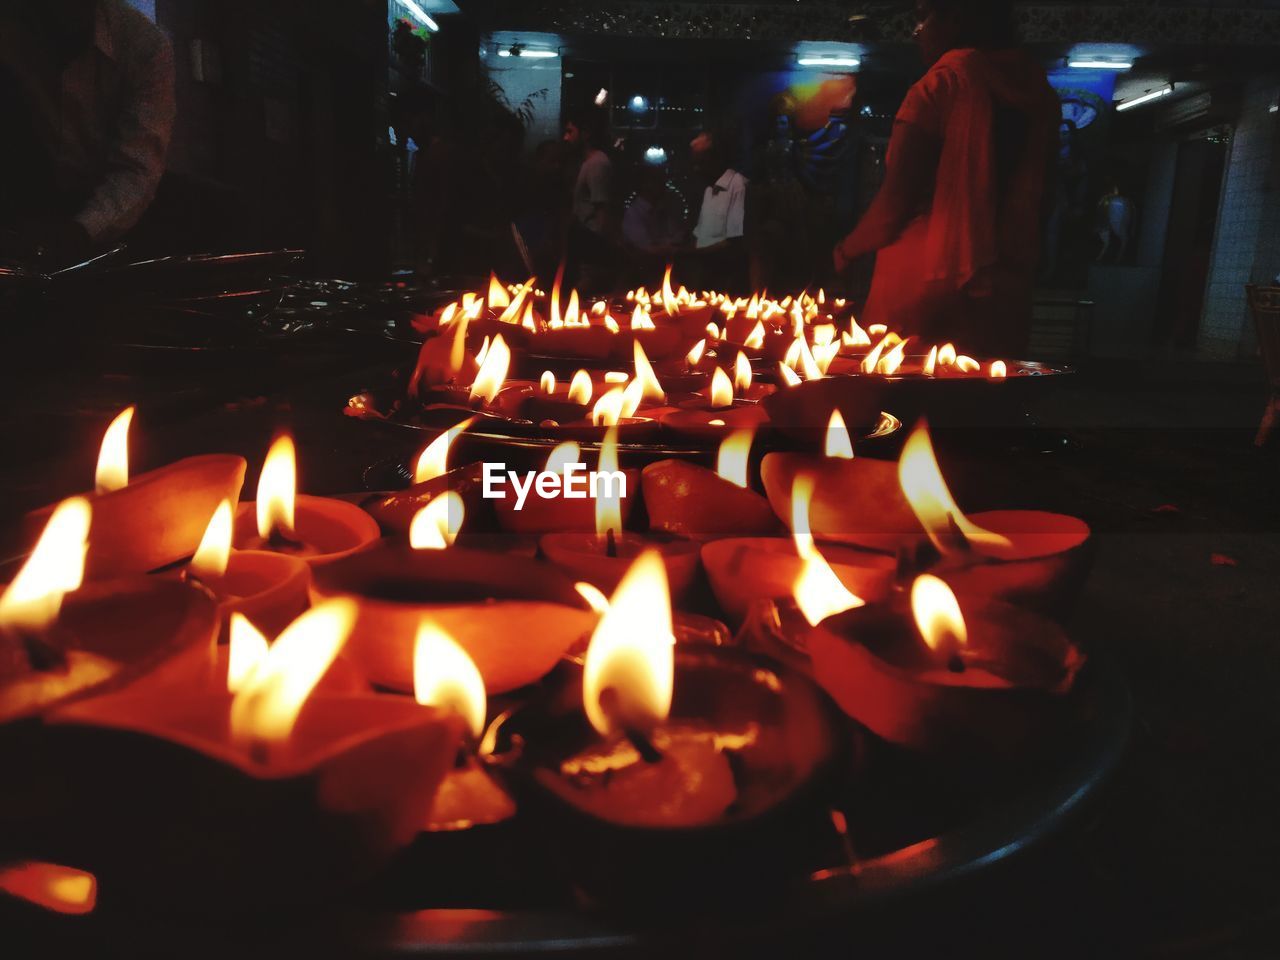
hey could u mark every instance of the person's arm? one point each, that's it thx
(136, 156)
(908, 183)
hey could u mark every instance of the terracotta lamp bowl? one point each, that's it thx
(514, 616)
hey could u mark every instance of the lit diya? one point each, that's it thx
(148, 521)
(60, 640)
(485, 601)
(687, 764)
(317, 529)
(715, 412)
(1028, 557)
(743, 571)
(688, 500)
(279, 803)
(603, 557)
(936, 679)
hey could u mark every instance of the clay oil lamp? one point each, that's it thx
(151, 520)
(267, 587)
(317, 529)
(485, 601)
(602, 557)
(747, 569)
(60, 639)
(931, 678)
(680, 309)
(557, 511)
(284, 797)
(445, 367)
(803, 409)
(688, 500)
(715, 412)
(668, 773)
(432, 478)
(445, 676)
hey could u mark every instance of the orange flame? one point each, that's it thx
(434, 460)
(211, 557)
(818, 591)
(498, 298)
(493, 372)
(608, 499)
(596, 600)
(51, 886)
(892, 361)
(548, 382)
(947, 354)
(580, 388)
(629, 671)
(267, 706)
(735, 456)
(608, 408)
(755, 339)
(721, 390)
(436, 525)
(938, 615)
(999, 370)
(694, 356)
(650, 388)
(112, 472)
(742, 373)
(931, 361)
(445, 676)
(823, 334)
(931, 501)
(55, 568)
(564, 454)
(247, 649)
(277, 489)
(967, 364)
(788, 376)
(838, 446)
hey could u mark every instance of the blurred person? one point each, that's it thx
(86, 96)
(594, 227)
(719, 256)
(957, 222)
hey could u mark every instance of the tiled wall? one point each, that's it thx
(1247, 241)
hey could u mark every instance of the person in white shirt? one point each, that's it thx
(719, 254)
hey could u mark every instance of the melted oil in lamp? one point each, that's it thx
(484, 600)
(743, 571)
(268, 588)
(688, 500)
(60, 639)
(662, 769)
(317, 529)
(151, 520)
(603, 557)
(933, 678)
(432, 477)
(269, 795)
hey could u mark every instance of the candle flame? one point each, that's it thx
(554, 319)
(824, 334)
(498, 298)
(839, 445)
(608, 499)
(113, 456)
(493, 372)
(872, 360)
(51, 886)
(548, 382)
(591, 593)
(608, 408)
(931, 501)
(214, 552)
(721, 390)
(55, 568)
(742, 373)
(755, 339)
(999, 370)
(445, 676)
(434, 460)
(788, 376)
(892, 361)
(650, 388)
(947, 354)
(436, 525)
(458, 349)
(713, 332)
(668, 298)
(563, 455)
(246, 650)
(629, 670)
(735, 456)
(856, 336)
(277, 489)
(482, 353)
(632, 396)
(967, 364)
(267, 706)
(694, 356)
(937, 614)
(931, 361)
(877, 330)
(580, 388)
(818, 591)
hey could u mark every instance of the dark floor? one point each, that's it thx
(1179, 858)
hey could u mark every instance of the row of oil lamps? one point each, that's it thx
(222, 653)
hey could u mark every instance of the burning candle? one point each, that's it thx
(688, 500)
(601, 558)
(59, 640)
(445, 676)
(317, 529)
(939, 679)
(151, 520)
(669, 756)
(715, 413)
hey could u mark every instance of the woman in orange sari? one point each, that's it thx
(956, 224)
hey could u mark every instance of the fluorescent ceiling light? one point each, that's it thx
(1145, 98)
(835, 60)
(420, 15)
(538, 54)
(1100, 64)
